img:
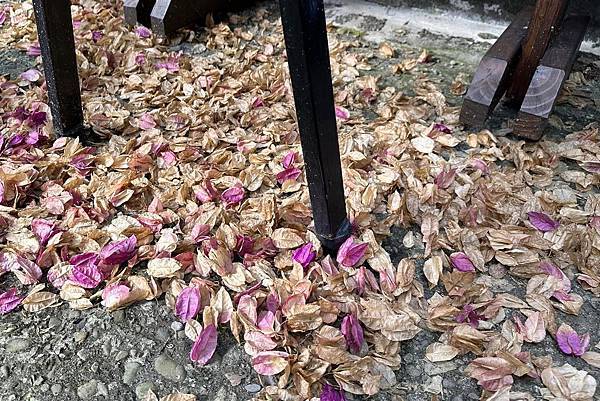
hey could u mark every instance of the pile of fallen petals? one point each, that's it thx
(198, 196)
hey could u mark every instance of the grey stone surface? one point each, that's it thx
(17, 345)
(131, 371)
(87, 390)
(169, 369)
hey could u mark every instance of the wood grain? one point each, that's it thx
(549, 78)
(545, 23)
(138, 11)
(493, 73)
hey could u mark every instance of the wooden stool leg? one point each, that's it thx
(494, 72)
(546, 21)
(305, 34)
(549, 77)
(55, 33)
(138, 11)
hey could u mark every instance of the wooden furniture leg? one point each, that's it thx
(169, 15)
(549, 78)
(138, 11)
(545, 23)
(55, 33)
(305, 35)
(494, 72)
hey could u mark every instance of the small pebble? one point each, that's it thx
(163, 334)
(118, 316)
(176, 326)
(142, 389)
(56, 388)
(131, 371)
(234, 378)
(106, 348)
(252, 388)
(121, 355)
(4, 372)
(102, 389)
(80, 336)
(169, 369)
(87, 390)
(17, 345)
(44, 387)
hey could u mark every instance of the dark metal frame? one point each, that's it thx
(308, 56)
(57, 43)
(305, 32)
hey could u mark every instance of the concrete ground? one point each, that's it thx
(61, 354)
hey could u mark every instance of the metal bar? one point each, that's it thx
(55, 33)
(305, 35)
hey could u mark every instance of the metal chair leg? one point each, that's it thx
(305, 34)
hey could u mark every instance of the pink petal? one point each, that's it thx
(118, 252)
(34, 50)
(233, 196)
(270, 363)
(147, 122)
(351, 252)
(205, 345)
(143, 32)
(289, 159)
(27, 272)
(140, 58)
(9, 301)
(115, 295)
(207, 192)
(445, 178)
(43, 230)
(31, 75)
(291, 174)
(260, 341)
(462, 262)
(247, 308)
(188, 303)
(169, 158)
(96, 36)
(257, 102)
(342, 113)
(442, 128)
(328, 393)
(266, 321)
(481, 166)
(304, 255)
(591, 166)
(570, 342)
(86, 275)
(542, 221)
(200, 232)
(353, 333)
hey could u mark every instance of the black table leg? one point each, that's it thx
(55, 33)
(305, 34)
